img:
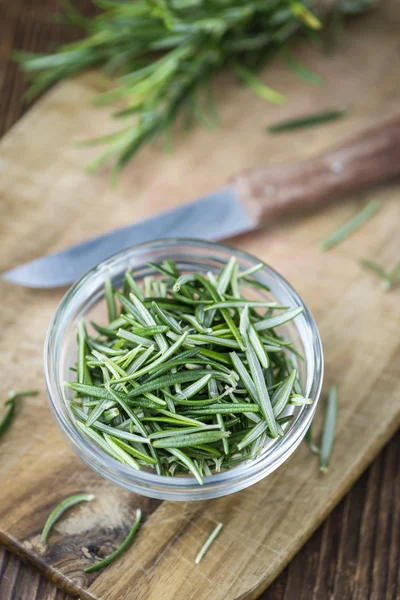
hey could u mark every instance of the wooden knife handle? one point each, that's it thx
(280, 190)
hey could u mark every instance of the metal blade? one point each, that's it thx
(212, 218)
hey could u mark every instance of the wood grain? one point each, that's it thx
(279, 191)
(341, 269)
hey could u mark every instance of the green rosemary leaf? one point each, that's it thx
(307, 121)
(200, 338)
(125, 544)
(253, 434)
(250, 271)
(223, 409)
(82, 368)
(257, 86)
(171, 350)
(167, 319)
(355, 223)
(134, 338)
(110, 301)
(60, 509)
(120, 452)
(328, 432)
(96, 413)
(157, 435)
(242, 304)
(310, 441)
(272, 322)
(208, 543)
(184, 458)
(258, 347)
(388, 278)
(120, 433)
(194, 388)
(149, 320)
(150, 330)
(216, 356)
(298, 69)
(89, 390)
(133, 286)
(302, 13)
(133, 451)
(10, 405)
(261, 388)
(191, 439)
(281, 396)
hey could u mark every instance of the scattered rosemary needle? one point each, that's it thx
(307, 121)
(388, 277)
(328, 431)
(60, 510)
(208, 543)
(348, 228)
(125, 544)
(310, 441)
(178, 377)
(10, 405)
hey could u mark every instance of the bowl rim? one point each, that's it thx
(169, 487)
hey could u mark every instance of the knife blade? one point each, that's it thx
(254, 198)
(212, 217)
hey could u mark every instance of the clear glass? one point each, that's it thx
(84, 299)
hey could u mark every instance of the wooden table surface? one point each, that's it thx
(356, 552)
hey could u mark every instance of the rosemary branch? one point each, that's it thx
(161, 58)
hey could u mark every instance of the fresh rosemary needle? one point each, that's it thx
(307, 121)
(10, 405)
(328, 431)
(208, 543)
(125, 544)
(60, 510)
(348, 228)
(388, 277)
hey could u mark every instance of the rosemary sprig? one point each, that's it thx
(125, 544)
(162, 57)
(208, 543)
(307, 121)
(355, 223)
(60, 510)
(10, 405)
(388, 278)
(158, 393)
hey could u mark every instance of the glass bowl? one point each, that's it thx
(85, 299)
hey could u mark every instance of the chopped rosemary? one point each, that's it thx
(388, 277)
(168, 386)
(355, 223)
(125, 544)
(328, 432)
(307, 121)
(208, 543)
(60, 510)
(10, 405)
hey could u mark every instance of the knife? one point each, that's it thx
(254, 198)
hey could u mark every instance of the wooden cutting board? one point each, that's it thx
(49, 203)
